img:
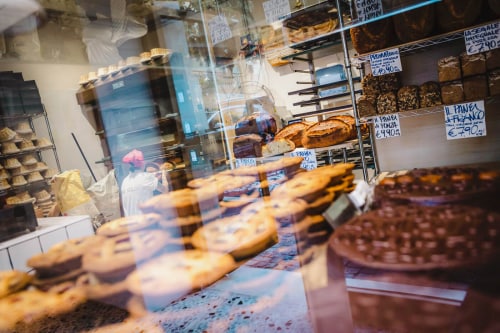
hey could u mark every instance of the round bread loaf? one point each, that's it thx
(326, 133)
(414, 24)
(457, 14)
(293, 132)
(373, 36)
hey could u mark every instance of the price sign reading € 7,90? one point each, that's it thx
(466, 120)
(385, 62)
(483, 38)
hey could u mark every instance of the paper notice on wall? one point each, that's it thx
(465, 120)
(483, 38)
(387, 126)
(276, 10)
(385, 62)
(309, 156)
(219, 29)
(368, 9)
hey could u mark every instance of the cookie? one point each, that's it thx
(128, 224)
(242, 236)
(46, 283)
(305, 188)
(321, 204)
(116, 294)
(118, 256)
(13, 281)
(187, 225)
(28, 306)
(285, 210)
(181, 203)
(172, 275)
(235, 206)
(63, 257)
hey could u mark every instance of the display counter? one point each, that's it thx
(51, 230)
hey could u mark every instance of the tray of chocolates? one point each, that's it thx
(418, 237)
(439, 185)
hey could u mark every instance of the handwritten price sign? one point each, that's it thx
(309, 156)
(276, 10)
(387, 126)
(385, 62)
(368, 9)
(465, 120)
(481, 39)
(242, 162)
(219, 29)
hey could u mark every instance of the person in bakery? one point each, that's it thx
(138, 186)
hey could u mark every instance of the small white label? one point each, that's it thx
(246, 162)
(387, 126)
(385, 62)
(219, 29)
(482, 39)
(309, 156)
(466, 120)
(368, 9)
(276, 10)
(118, 85)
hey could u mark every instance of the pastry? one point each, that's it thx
(277, 147)
(372, 36)
(388, 83)
(350, 121)
(285, 210)
(366, 106)
(247, 146)
(306, 186)
(370, 85)
(176, 274)
(128, 224)
(293, 132)
(13, 281)
(241, 236)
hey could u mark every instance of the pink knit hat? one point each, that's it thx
(135, 157)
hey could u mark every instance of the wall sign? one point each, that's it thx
(466, 120)
(246, 162)
(481, 39)
(309, 156)
(387, 126)
(385, 62)
(219, 29)
(368, 9)
(276, 10)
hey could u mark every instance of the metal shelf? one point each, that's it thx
(315, 101)
(315, 89)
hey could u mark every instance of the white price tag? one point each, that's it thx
(219, 29)
(276, 10)
(309, 156)
(466, 120)
(368, 9)
(385, 62)
(482, 39)
(387, 126)
(246, 162)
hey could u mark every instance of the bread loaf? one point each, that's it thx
(277, 147)
(387, 103)
(370, 86)
(388, 83)
(494, 5)
(372, 36)
(449, 69)
(452, 92)
(414, 24)
(472, 64)
(494, 82)
(293, 132)
(366, 106)
(492, 59)
(475, 87)
(248, 145)
(326, 133)
(408, 98)
(457, 14)
(429, 94)
(349, 120)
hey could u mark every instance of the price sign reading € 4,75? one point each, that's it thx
(385, 62)
(466, 120)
